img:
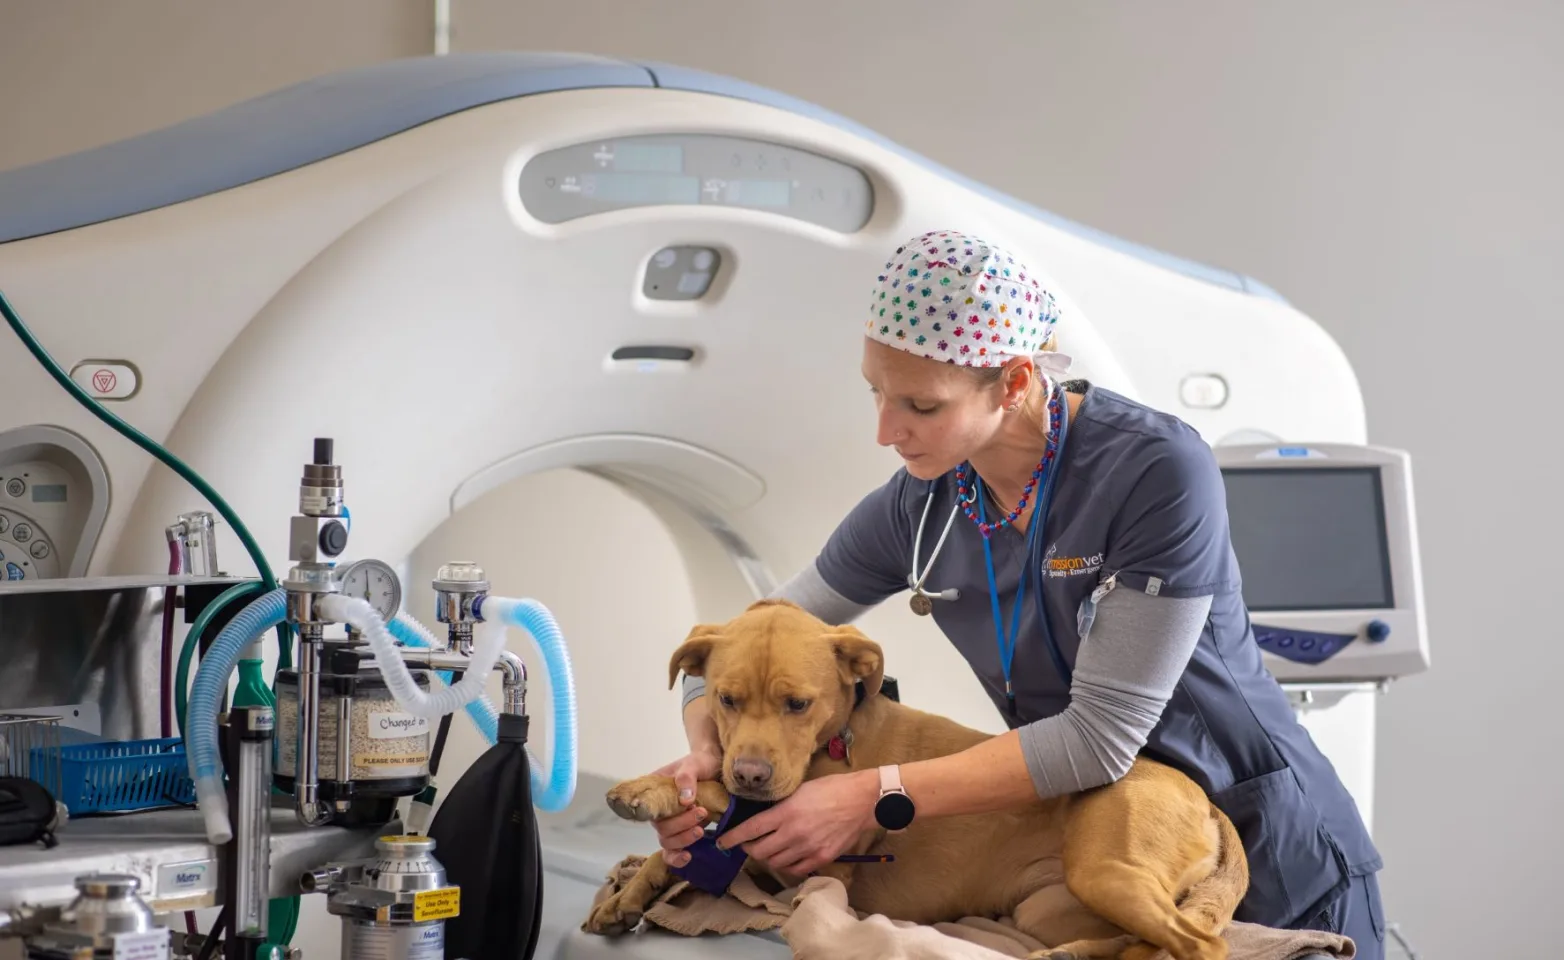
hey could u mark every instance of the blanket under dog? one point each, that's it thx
(816, 921)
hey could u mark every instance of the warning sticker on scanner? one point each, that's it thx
(439, 904)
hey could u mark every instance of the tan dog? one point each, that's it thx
(1145, 862)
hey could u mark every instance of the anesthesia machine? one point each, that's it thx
(424, 280)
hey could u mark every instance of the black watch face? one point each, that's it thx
(894, 811)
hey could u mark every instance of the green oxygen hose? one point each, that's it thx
(246, 590)
(268, 579)
(283, 915)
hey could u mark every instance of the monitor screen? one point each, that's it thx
(1310, 539)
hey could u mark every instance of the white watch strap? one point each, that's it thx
(890, 779)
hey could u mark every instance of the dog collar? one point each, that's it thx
(840, 746)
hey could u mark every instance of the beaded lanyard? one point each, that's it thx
(1042, 474)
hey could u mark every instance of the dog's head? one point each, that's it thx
(780, 683)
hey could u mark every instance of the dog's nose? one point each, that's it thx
(751, 774)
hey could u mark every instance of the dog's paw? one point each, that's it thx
(645, 798)
(615, 916)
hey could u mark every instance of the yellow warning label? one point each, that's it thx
(439, 904)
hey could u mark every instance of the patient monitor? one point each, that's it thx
(470, 269)
(1326, 540)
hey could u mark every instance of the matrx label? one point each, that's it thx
(186, 879)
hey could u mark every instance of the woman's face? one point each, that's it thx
(935, 415)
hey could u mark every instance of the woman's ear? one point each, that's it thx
(1019, 374)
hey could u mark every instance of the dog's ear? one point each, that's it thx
(691, 656)
(858, 658)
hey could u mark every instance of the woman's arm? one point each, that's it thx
(1126, 671)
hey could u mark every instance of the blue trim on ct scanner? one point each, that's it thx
(330, 115)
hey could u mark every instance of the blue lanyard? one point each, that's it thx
(1007, 639)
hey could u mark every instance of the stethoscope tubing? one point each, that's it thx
(916, 581)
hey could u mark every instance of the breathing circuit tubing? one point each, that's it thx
(270, 608)
(556, 792)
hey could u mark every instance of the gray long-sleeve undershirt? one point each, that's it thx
(1128, 665)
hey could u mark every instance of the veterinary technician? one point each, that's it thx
(1074, 546)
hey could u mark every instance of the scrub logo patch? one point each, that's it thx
(1058, 567)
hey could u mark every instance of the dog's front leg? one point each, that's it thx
(838, 871)
(655, 797)
(622, 911)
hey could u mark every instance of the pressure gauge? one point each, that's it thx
(374, 582)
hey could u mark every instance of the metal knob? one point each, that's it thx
(105, 886)
(406, 847)
(108, 904)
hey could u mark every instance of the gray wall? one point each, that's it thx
(1391, 167)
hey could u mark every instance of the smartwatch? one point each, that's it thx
(894, 810)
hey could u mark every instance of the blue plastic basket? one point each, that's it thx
(119, 776)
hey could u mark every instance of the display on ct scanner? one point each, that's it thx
(219, 332)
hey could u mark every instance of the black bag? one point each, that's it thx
(26, 812)
(486, 837)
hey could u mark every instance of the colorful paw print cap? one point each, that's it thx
(953, 297)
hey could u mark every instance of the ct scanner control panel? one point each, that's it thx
(54, 496)
(602, 175)
(34, 501)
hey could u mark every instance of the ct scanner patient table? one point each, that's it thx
(580, 844)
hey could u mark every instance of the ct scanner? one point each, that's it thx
(470, 269)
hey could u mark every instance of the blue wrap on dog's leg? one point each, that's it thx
(712, 868)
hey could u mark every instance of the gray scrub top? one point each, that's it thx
(1139, 498)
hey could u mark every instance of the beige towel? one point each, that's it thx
(817, 923)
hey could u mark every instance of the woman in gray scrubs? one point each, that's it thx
(1113, 626)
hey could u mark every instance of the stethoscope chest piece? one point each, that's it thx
(921, 605)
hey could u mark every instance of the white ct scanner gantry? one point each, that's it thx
(472, 268)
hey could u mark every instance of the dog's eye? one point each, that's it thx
(795, 705)
(726, 700)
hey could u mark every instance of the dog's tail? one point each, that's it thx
(1212, 901)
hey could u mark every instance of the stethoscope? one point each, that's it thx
(923, 599)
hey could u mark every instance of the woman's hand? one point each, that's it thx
(811, 828)
(703, 762)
